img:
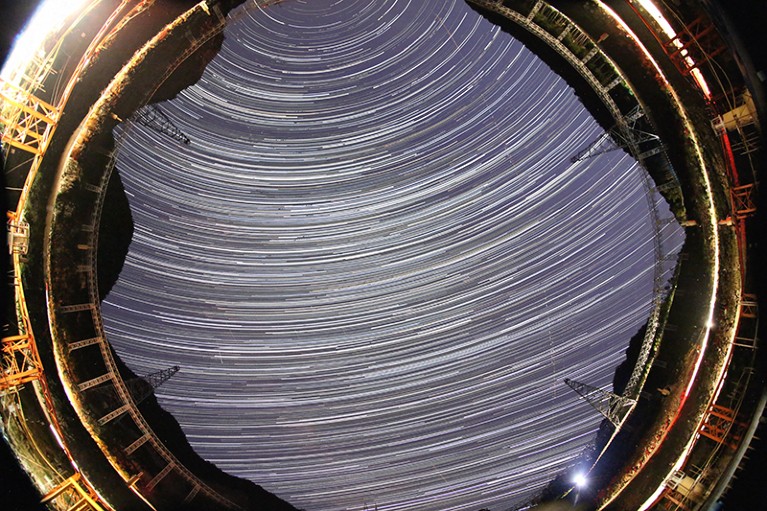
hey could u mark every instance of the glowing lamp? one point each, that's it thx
(580, 480)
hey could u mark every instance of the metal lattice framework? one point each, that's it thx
(140, 388)
(28, 123)
(624, 135)
(21, 362)
(641, 145)
(694, 45)
(613, 407)
(743, 200)
(18, 235)
(28, 120)
(74, 493)
(152, 117)
(555, 42)
(722, 426)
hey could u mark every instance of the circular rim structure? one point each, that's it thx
(57, 291)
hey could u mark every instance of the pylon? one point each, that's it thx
(612, 406)
(152, 117)
(625, 135)
(141, 388)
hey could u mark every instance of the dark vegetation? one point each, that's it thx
(677, 351)
(17, 492)
(746, 23)
(169, 431)
(114, 236)
(74, 209)
(72, 206)
(115, 233)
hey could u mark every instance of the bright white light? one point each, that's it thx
(58, 438)
(669, 32)
(653, 11)
(48, 17)
(580, 480)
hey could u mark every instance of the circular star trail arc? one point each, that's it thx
(375, 263)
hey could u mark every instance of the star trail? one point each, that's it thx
(375, 263)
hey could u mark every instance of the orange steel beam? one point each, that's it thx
(736, 205)
(699, 40)
(77, 497)
(720, 426)
(676, 499)
(34, 119)
(729, 158)
(21, 361)
(742, 197)
(28, 124)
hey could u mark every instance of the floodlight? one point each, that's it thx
(580, 480)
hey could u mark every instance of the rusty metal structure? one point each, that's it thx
(723, 342)
(32, 101)
(693, 58)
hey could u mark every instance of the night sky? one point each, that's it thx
(375, 263)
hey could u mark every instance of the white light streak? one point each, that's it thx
(669, 32)
(710, 219)
(375, 263)
(48, 18)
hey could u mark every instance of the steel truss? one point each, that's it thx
(28, 120)
(21, 361)
(75, 494)
(624, 135)
(152, 117)
(613, 407)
